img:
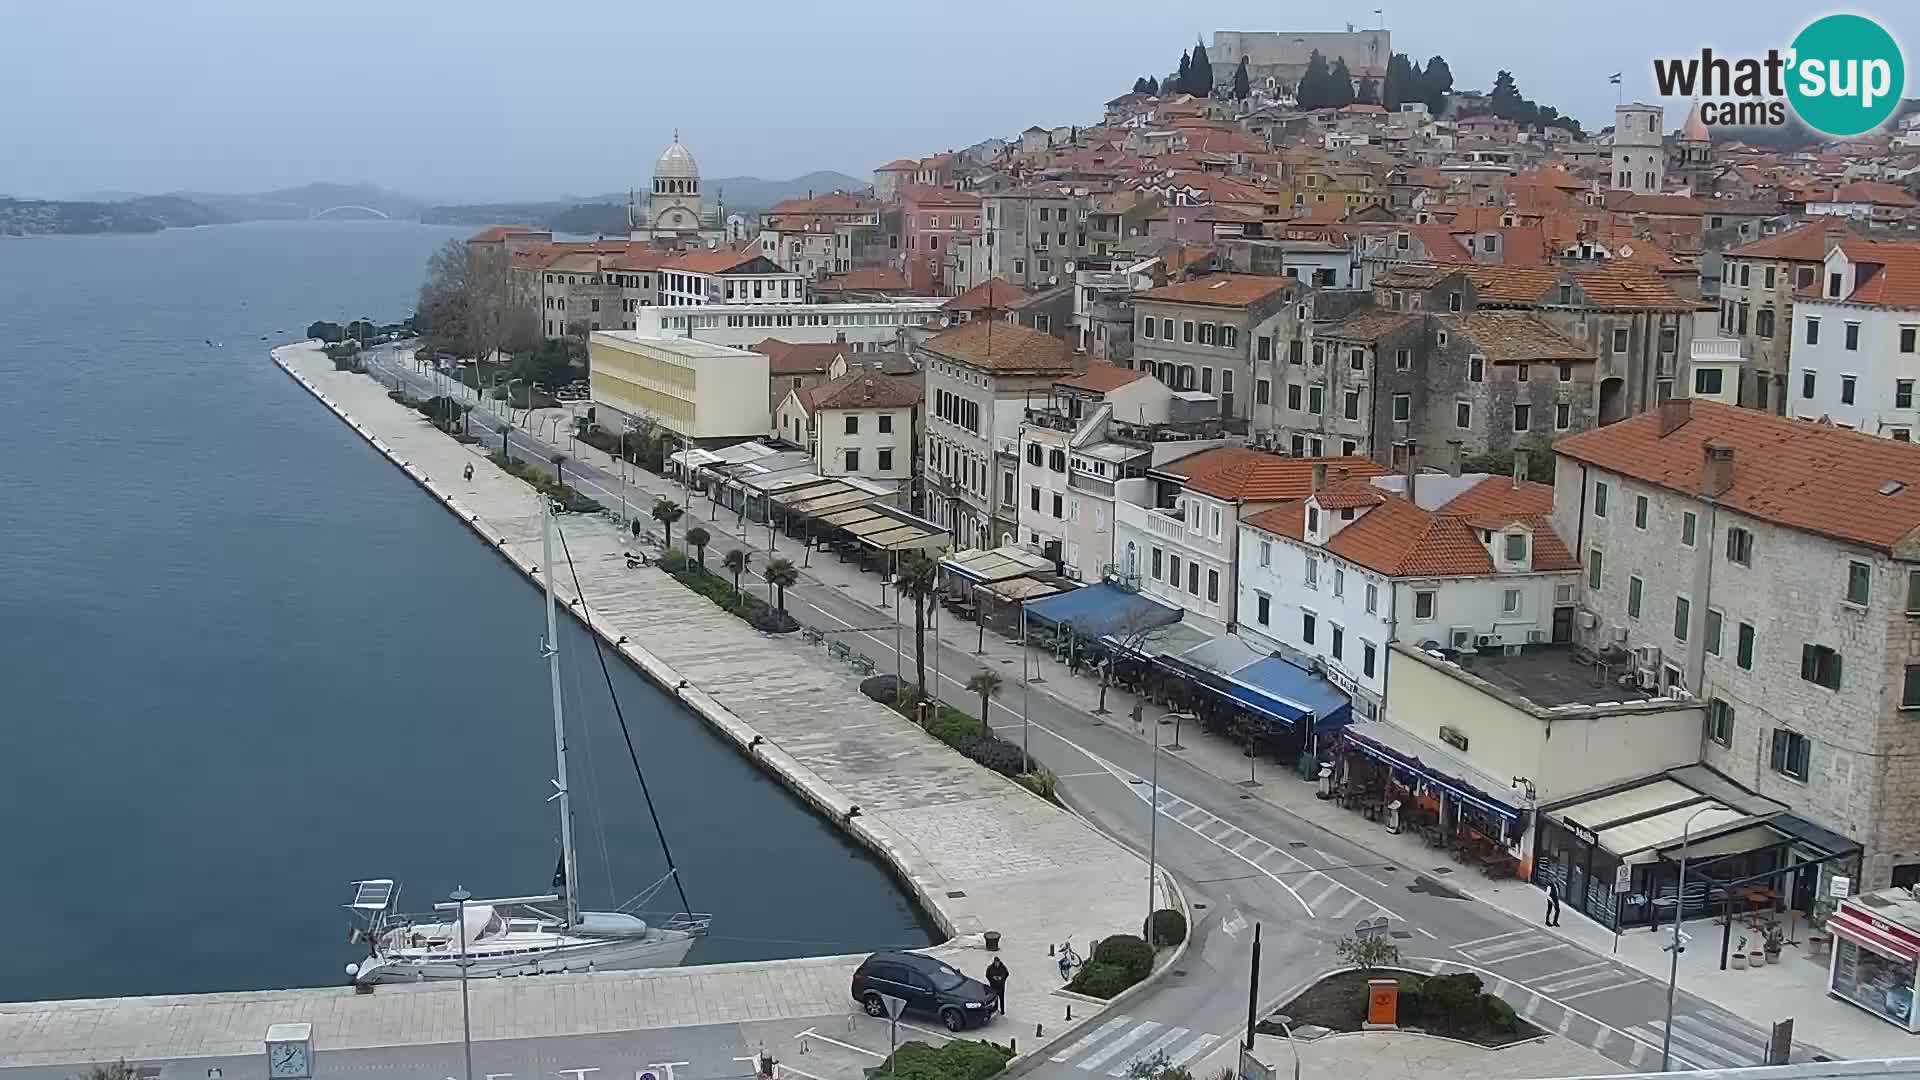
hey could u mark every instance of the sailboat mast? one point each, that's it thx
(552, 650)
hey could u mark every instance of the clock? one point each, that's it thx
(290, 1052)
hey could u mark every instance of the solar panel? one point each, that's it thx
(372, 895)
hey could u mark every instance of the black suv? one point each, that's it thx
(927, 986)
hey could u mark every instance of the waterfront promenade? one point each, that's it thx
(979, 852)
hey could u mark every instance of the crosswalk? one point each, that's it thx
(1701, 1042)
(1113, 1047)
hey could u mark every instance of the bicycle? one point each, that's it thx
(1070, 961)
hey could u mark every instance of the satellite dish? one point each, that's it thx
(1053, 279)
(1626, 251)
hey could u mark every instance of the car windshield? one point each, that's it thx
(946, 978)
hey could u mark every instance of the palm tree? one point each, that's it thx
(736, 561)
(987, 685)
(698, 539)
(666, 512)
(915, 577)
(781, 573)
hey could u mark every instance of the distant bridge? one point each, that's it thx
(363, 209)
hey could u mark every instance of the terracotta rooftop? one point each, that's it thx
(1806, 242)
(1368, 324)
(867, 390)
(867, 279)
(493, 234)
(993, 294)
(1888, 274)
(1814, 477)
(1241, 473)
(1874, 192)
(717, 261)
(1005, 347)
(1102, 378)
(798, 358)
(1414, 275)
(1221, 290)
(1514, 337)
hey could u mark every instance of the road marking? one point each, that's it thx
(1113, 1049)
(830, 1040)
(1601, 990)
(1566, 1020)
(781, 1068)
(1571, 977)
(1530, 952)
(1200, 1045)
(1431, 936)
(941, 1035)
(1087, 1040)
(1692, 1056)
(1465, 945)
(1729, 1042)
(1347, 908)
(1146, 1052)
(1437, 964)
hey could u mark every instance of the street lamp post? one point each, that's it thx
(1286, 1025)
(460, 896)
(1153, 836)
(1679, 913)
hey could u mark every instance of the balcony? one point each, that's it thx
(1167, 527)
(1723, 350)
(1008, 446)
(1081, 480)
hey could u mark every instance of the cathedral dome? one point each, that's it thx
(676, 163)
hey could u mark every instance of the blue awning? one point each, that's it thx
(1097, 610)
(1289, 686)
(1405, 751)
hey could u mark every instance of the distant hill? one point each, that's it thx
(307, 200)
(753, 193)
(606, 215)
(40, 217)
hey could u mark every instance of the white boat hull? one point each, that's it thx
(663, 948)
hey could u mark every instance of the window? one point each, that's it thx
(1476, 368)
(853, 461)
(1402, 359)
(1351, 407)
(1266, 553)
(1339, 639)
(1820, 665)
(1640, 512)
(1033, 499)
(1463, 414)
(1853, 337)
(1910, 688)
(1562, 416)
(1907, 334)
(1522, 418)
(1620, 339)
(1706, 381)
(1847, 383)
(853, 423)
(1813, 331)
(1262, 392)
(1522, 374)
(1634, 588)
(1033, 453)
(1206, 333)
(1357, 360)
(1682, 617)
(1913, 592)
(1213, 586)
(1903, 394)
(1402, 406)
(1316, 399)
(1739, 546)
(1263, 608)
(1367, 652)
(1714, 621)
(1510, 602)
(886, 423)
(1373, 598)
(1293, 395)
(1166, 329)
(1186, 331)
(1173, 569)
(886, 461)
(1312, 580)
(1720, 722)
(1763, 322)
(1156, 564)
(1423, 605)
(1193, 577)
(1790, 753)
(1339, 581)
(1594, 560)
(1859, 579)
(1807, 381)
(1689, 528)
(1295, 351)
(1743, 647)
(1146, 327)
(1306, 626)
(1057, 506)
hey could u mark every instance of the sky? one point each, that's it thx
(481, 99)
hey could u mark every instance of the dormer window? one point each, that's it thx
(1566, 294)
(1401, 241)
(1515, 544)
(1313, 519)
(1833, 284)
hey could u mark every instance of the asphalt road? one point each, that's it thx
(1242, 861)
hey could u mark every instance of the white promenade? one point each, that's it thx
(979, 852)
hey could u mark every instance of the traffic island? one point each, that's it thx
(1450, 1006)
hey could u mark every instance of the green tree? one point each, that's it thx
(1369, 92)
(1200, 72)
(1153, 86)
(737, 561)
(1339, 85)
(915, 578)
(1186, 65)
(1242, 83)
(1400, 81)
(1367, 953)
(1505, 101)
(1140, 85)
(666, 512)
(987, 685)
(1436, 84)
(698, 538)
(329, 332)
(1312, 91)
(781, 573)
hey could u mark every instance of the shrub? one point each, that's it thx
(1368, 953)
(960, 1059)
(995, 753)
(1166, 927)
(773, 621)
(1157, 1067)
(1101, 980)
(1412, 1003)
(1451, 1002)
(1128, 951)
(1041, 781)
(673, 560)
(951, 727)
(1500, 1015)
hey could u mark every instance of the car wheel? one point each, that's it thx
(873, 1005)
(953, 1018)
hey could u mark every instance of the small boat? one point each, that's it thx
(519, 935)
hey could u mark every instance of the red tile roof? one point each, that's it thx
(993, 294)
(1247, 475)
(1005, 347)
(1801, 475)
(1874, 192)
(1807, 242)
(1221, 290)
(798, 358)
(493, 234)
(1888, 273)
(1516, 337)
(867, 390)
(1102, 378)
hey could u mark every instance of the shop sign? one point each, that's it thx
(1840, 887)
(1580, 832)
(1623, 879)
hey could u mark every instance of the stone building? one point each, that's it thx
(1769, 568)
(676, 209)
(1757, 283)
(1282, 56)
(1200, 334)
(1639, 161)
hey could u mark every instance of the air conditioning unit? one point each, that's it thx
(1649, 656)
(1647, 678)
(1618, 635)
(1453, 737)
(1487, 641)
(1588, 620)
(1535, 637)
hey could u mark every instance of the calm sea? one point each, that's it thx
(244, 661)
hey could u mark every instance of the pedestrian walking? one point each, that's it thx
(469, 472)
(1553, 903)
(997, 979)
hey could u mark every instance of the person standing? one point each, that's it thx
(1553, 903)
(997, 981)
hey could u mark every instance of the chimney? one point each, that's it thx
(1412, 470)
(1716, 473)
(1454, 449)
(1519, 467)
(1674, 412)
(1319, 475)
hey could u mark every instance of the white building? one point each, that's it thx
(727, 276)
(1180, 524)
(1855, 355)
(1468, 563)
(861, 424)
(1770, 568)
(870, 327)
(702, 392)
(676, 208)
(1639, 156)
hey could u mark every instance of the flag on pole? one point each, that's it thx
(1614, 78)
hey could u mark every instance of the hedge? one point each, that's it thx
(961, 1059)
(1101, 980)
(1129, 952)
(569, 499)
(1166, 927)
(764, 616)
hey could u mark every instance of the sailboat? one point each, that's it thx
(517, 935)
